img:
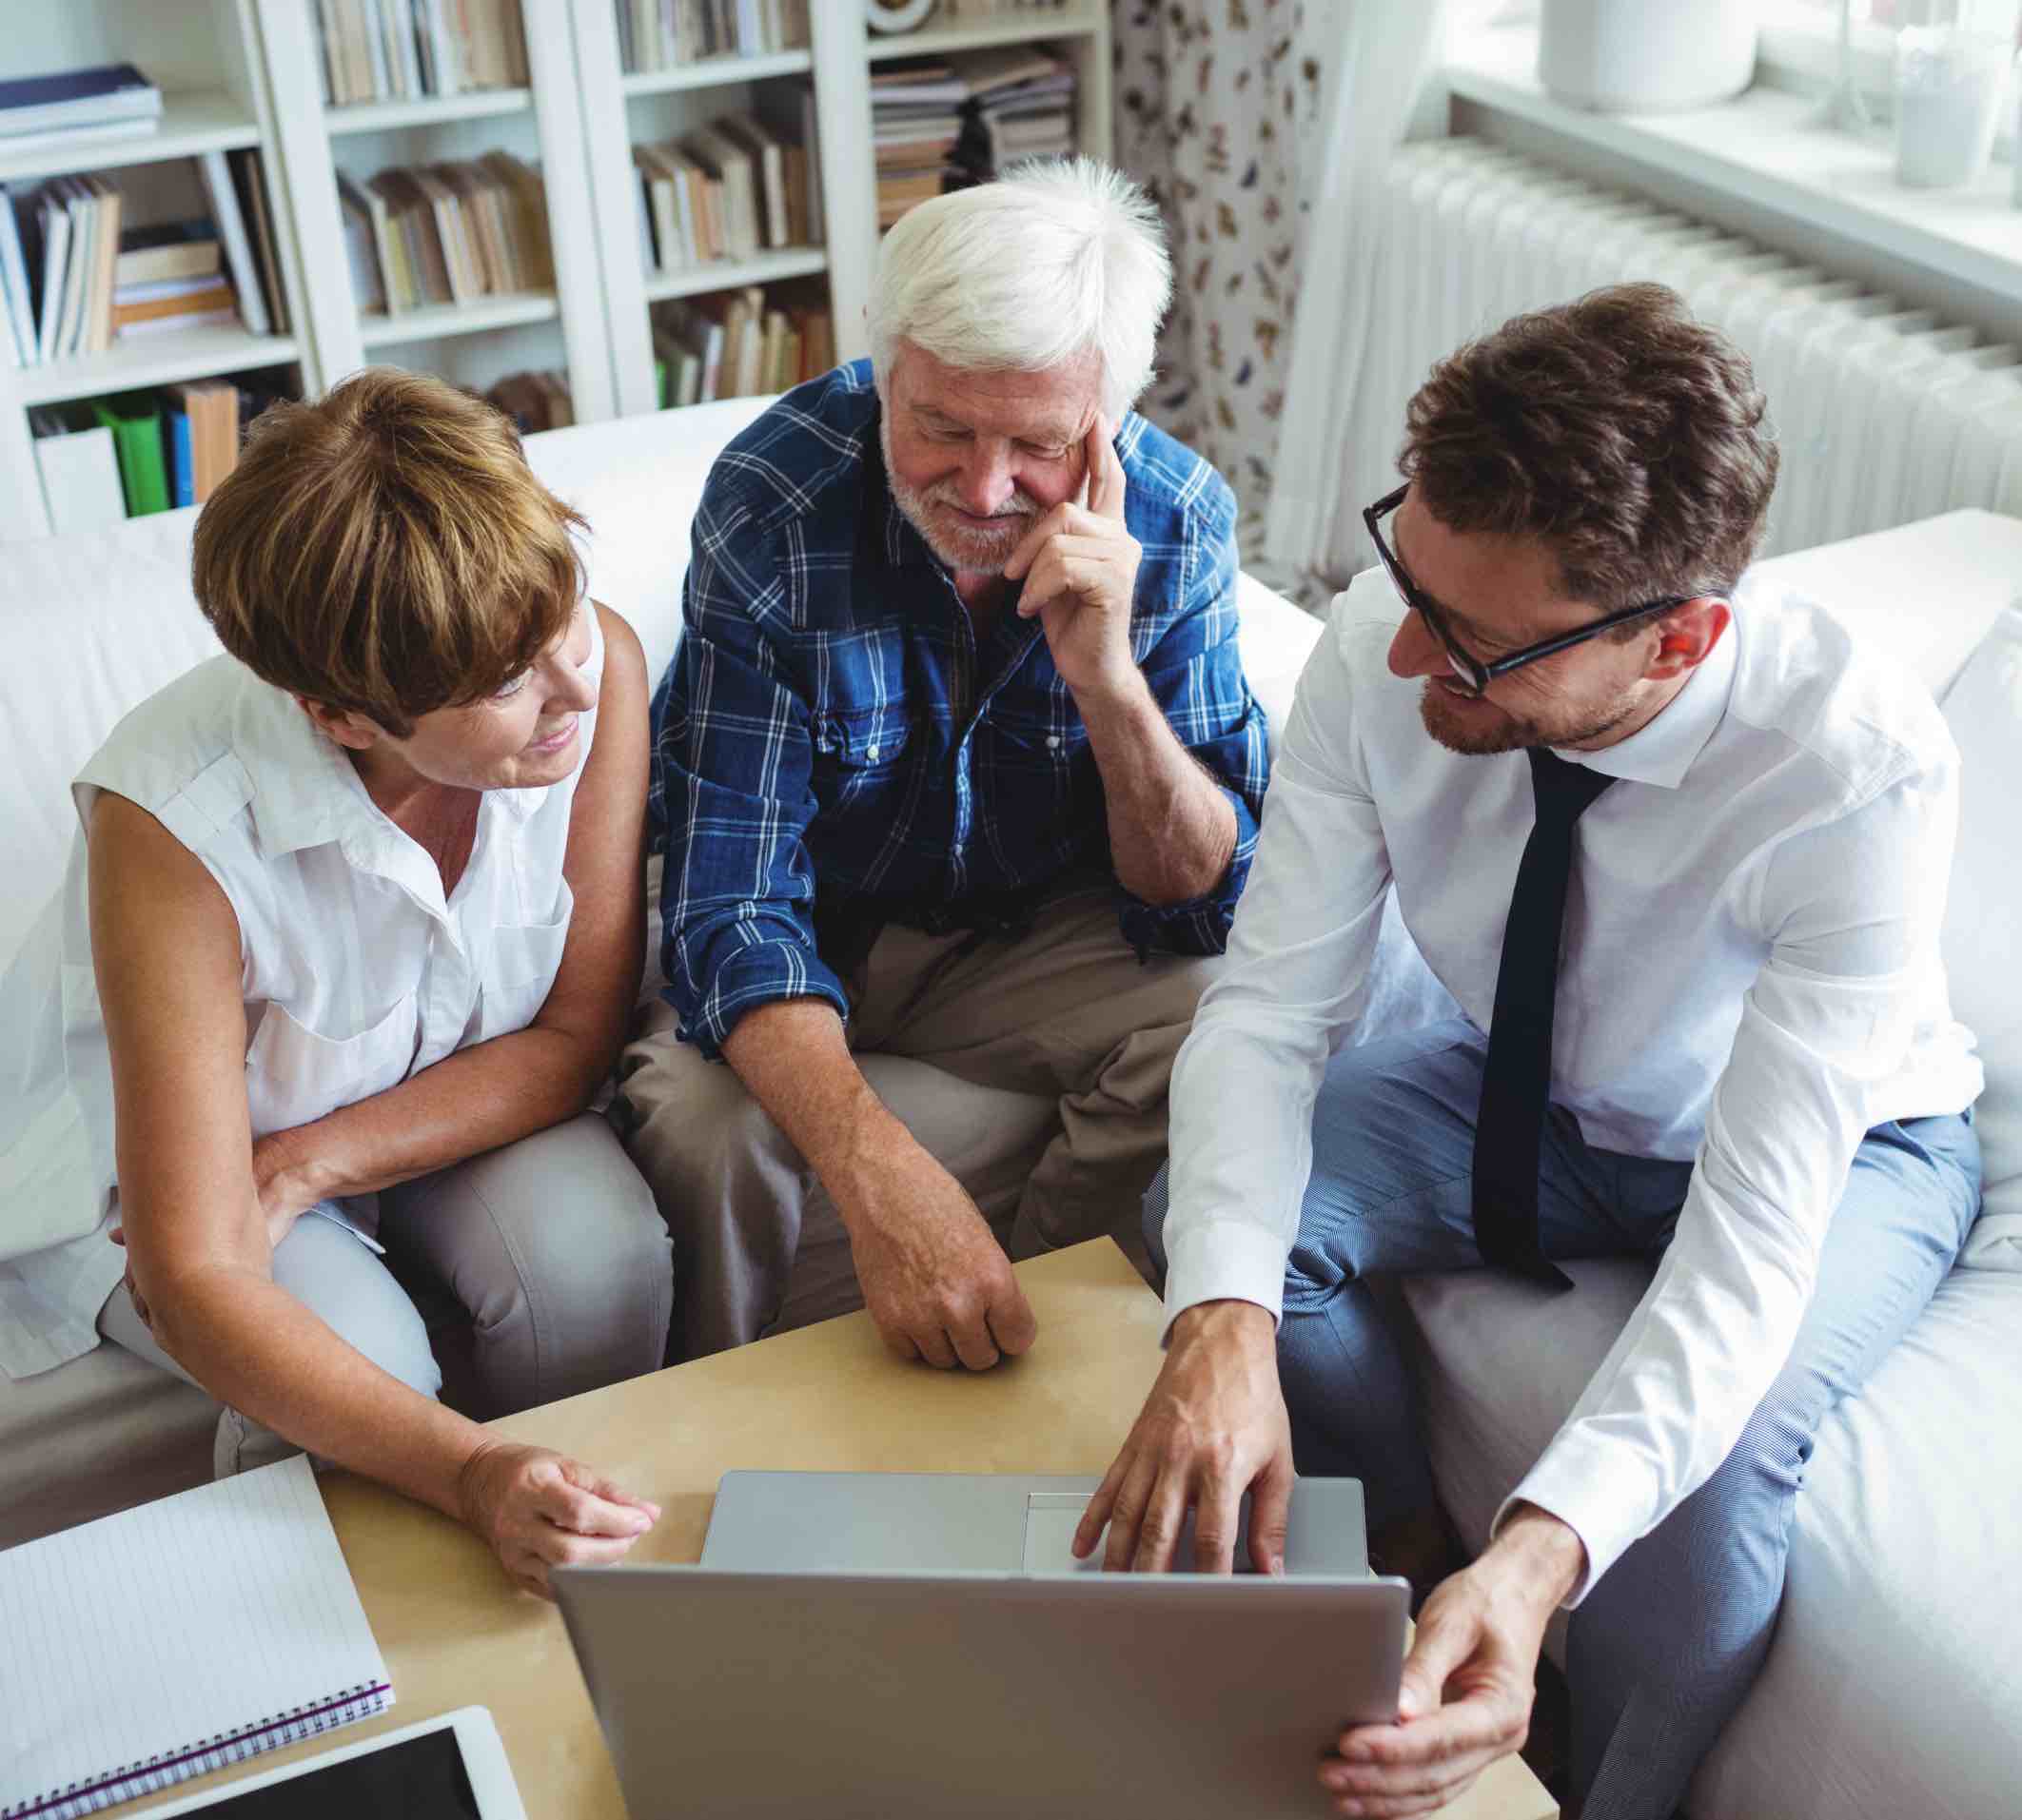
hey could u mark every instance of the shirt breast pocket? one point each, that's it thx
(860, 750)
(1040, 745)
(519, 972)
(294, 1074)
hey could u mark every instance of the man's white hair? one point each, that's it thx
(1056, 257)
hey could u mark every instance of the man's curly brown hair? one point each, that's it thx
(1623, 432)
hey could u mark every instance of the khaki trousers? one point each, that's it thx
(1034, 1069)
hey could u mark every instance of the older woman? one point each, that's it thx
(346, 948)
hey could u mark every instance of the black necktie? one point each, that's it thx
(1516, 1076)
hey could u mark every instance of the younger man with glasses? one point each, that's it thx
(1714, 840)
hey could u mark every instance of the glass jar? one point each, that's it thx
(1949, 84)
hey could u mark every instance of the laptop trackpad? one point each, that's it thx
(1052, 1517)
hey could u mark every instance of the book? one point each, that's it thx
(213, 408)
(104, 253)
(80, 476)
(135, 421)
(722, 157)
(361, 246)
(181, 477)
(88, 100)
(248, 179)
(14, 278)
(123, 1676)
(53, 220)
(231, 234)
(766, 147)
(527, 213)
(167, 250)
(211, 298)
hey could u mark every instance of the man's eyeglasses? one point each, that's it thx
(1473, 675)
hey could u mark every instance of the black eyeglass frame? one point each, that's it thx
(1470, 669)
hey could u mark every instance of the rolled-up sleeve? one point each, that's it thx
(731, 795)
(1852, 910)
(1195, 673)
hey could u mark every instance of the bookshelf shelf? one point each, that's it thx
(154, 359)
(435, 320)
(193, 122)
(1022, 28)
(381, 116)
(788, 262)
(716, 72)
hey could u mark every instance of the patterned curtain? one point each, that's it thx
(1217, 105)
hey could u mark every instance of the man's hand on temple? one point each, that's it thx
(1079, 569)
(1213, 1427)
(1470, 1680)
(934, 1278)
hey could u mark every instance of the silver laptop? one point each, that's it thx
(922, 1645)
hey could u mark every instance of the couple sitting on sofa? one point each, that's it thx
(957, 761)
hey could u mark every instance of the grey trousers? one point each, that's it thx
(1667, 1643)
(1033, 1068)
(543, 1266)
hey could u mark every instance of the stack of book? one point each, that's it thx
(723, 192)
(445, 233)
(738, 345)
(407, 50)
(664, 34)
(534, 400)
(140, 452)
(74, 281)
(108, 101)
(915, 123)
(1021, 105)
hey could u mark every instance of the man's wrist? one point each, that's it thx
(1543, 1554)
(1117, 698)
(1208, 1323)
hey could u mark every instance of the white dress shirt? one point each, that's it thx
(357, 973)
(1750, 980)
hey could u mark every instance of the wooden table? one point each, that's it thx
(824, 1398)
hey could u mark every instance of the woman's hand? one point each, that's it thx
(288, 1181)
(539, 1509)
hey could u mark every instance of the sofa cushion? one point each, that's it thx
(1983, 711)
(1892, 1674)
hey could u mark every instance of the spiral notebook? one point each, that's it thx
(154, 1646)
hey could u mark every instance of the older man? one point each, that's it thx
(956, 763)
(1680, 859)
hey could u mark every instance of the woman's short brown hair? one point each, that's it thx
(1623, 432)
(386, 550)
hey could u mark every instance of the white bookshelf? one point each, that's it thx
(238, 73)
(428, 110)
(205, 57)
(621, 110)
(472, 344)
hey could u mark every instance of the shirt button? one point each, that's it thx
(1052, 742)
(870, 752)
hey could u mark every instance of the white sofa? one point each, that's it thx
(94, 624)
(1893, 1689)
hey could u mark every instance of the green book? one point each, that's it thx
(659, 382)
(135, 421)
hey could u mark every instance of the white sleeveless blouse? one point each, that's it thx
(357, 973)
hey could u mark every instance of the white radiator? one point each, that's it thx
(1884, 414)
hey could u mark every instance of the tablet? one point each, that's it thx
(451, 1768)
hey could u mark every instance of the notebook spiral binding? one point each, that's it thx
(365, 1702)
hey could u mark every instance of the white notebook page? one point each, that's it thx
(151, 1646)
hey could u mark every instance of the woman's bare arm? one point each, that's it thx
(495, 1092)
(164, 946)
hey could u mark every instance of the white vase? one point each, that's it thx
(1636, 56)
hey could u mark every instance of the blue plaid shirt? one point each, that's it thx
(832, 750)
